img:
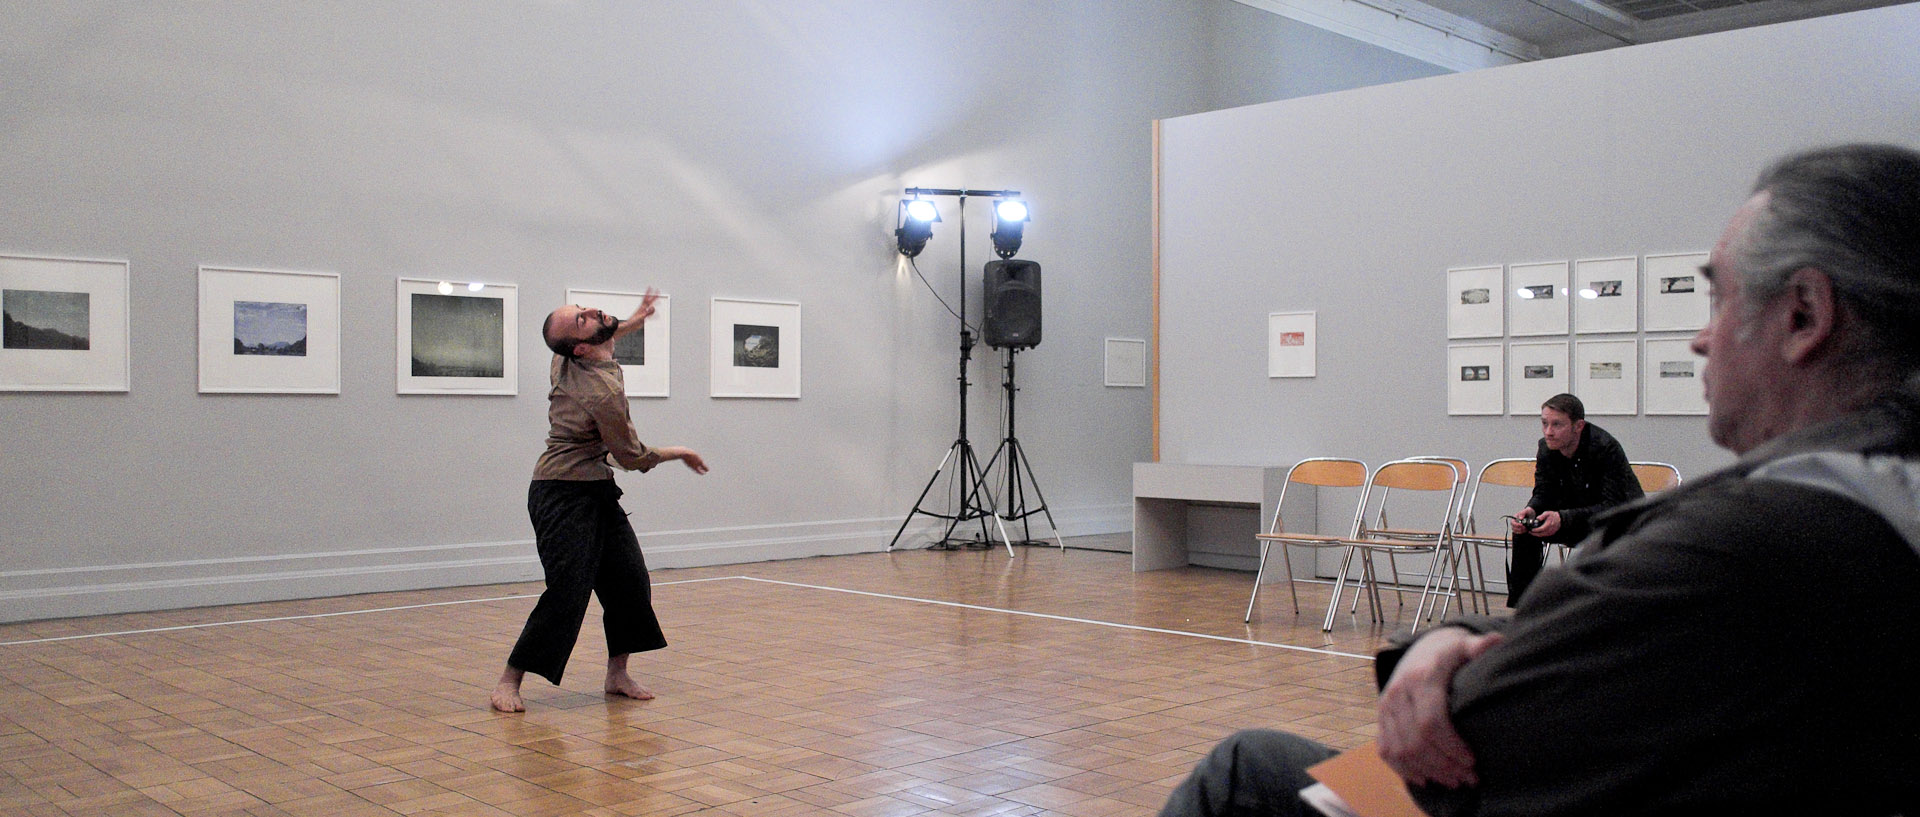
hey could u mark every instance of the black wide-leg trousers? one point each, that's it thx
(587, 547)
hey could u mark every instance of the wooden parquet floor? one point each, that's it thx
(876, 685)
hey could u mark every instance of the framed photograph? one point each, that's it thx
(1537, 302)
(1291, 342)
(1535, 372)
(1606, 375)
(645, 354)
(457, 338)
(269, 331)
(1676, 292)
(1673, 376)
(756, 348)
(1476, 302)
(1475, 378)
(1606, 295)
(1126, 362)
(65, 324)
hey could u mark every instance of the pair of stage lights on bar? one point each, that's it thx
(917, 216)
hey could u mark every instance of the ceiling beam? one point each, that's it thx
(1410, 28)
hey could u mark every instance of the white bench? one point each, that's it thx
(1163, 491)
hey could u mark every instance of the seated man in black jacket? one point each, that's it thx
(1744, 644)
(1579, 470)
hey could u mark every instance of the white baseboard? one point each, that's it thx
(27, 595)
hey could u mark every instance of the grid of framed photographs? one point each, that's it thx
(1585, 327)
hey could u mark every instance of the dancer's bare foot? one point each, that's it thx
(506, 693)
(620, 683)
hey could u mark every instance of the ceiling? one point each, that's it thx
(1561, 27)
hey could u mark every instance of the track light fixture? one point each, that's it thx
(915, 225)
(1010, 219)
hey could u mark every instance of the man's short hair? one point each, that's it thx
(1567, 404)
(1852, 212)
(560, 346)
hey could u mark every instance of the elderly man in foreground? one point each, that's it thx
(1747, 644)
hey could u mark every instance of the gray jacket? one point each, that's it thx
(1746, 644)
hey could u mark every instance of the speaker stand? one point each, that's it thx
(1019, 474)
(967, 473)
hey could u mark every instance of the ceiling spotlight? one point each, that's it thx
(1010, 219)
(475, 286)
(445, 287)
(915, 225)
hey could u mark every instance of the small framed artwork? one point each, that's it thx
(1126, 362)
(1291, 342)
(1606, 375)
(1673, 377)
(1606, 295)
(1475, 378)
(269, 331)
(1476, 302)
(644, 354)
(1535, 372)
(457, 338)
(65, 324)
(1676, 292)
(756, 348)
(1537, 303)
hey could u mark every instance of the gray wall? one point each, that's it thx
(713, 148)
(1354, 204)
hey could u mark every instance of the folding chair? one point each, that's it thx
(1655, 477)
(1320, 472)
(1506, 473)
(1443, 481)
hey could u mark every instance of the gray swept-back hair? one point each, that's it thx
(1852, 212)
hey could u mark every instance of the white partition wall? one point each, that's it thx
(1357, 204)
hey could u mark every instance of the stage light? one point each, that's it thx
(1010, 219)
(915, 225)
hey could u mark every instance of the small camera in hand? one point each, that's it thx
(1530, 522)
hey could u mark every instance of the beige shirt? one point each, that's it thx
(587, 409)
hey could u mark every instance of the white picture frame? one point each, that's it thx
(755, 348)
(456, 337)
(1292, 343)
(67, 324)
(1673, 377)
(1675, 291)
(1126, 362)
(1476, 302)
(646, 355)
(1536, 370)
(1537, 298)
(1606, 295)
(269, 331)
(1476, 378)
(1606, 375)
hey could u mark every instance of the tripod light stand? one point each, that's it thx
(968, 475)
(1017, 466)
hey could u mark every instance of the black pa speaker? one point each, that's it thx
(1013, 304)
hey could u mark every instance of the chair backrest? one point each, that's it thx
(1322, 472)
(1655, 476)
(1437, 476)
(1464, 475)
(1511, 472)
